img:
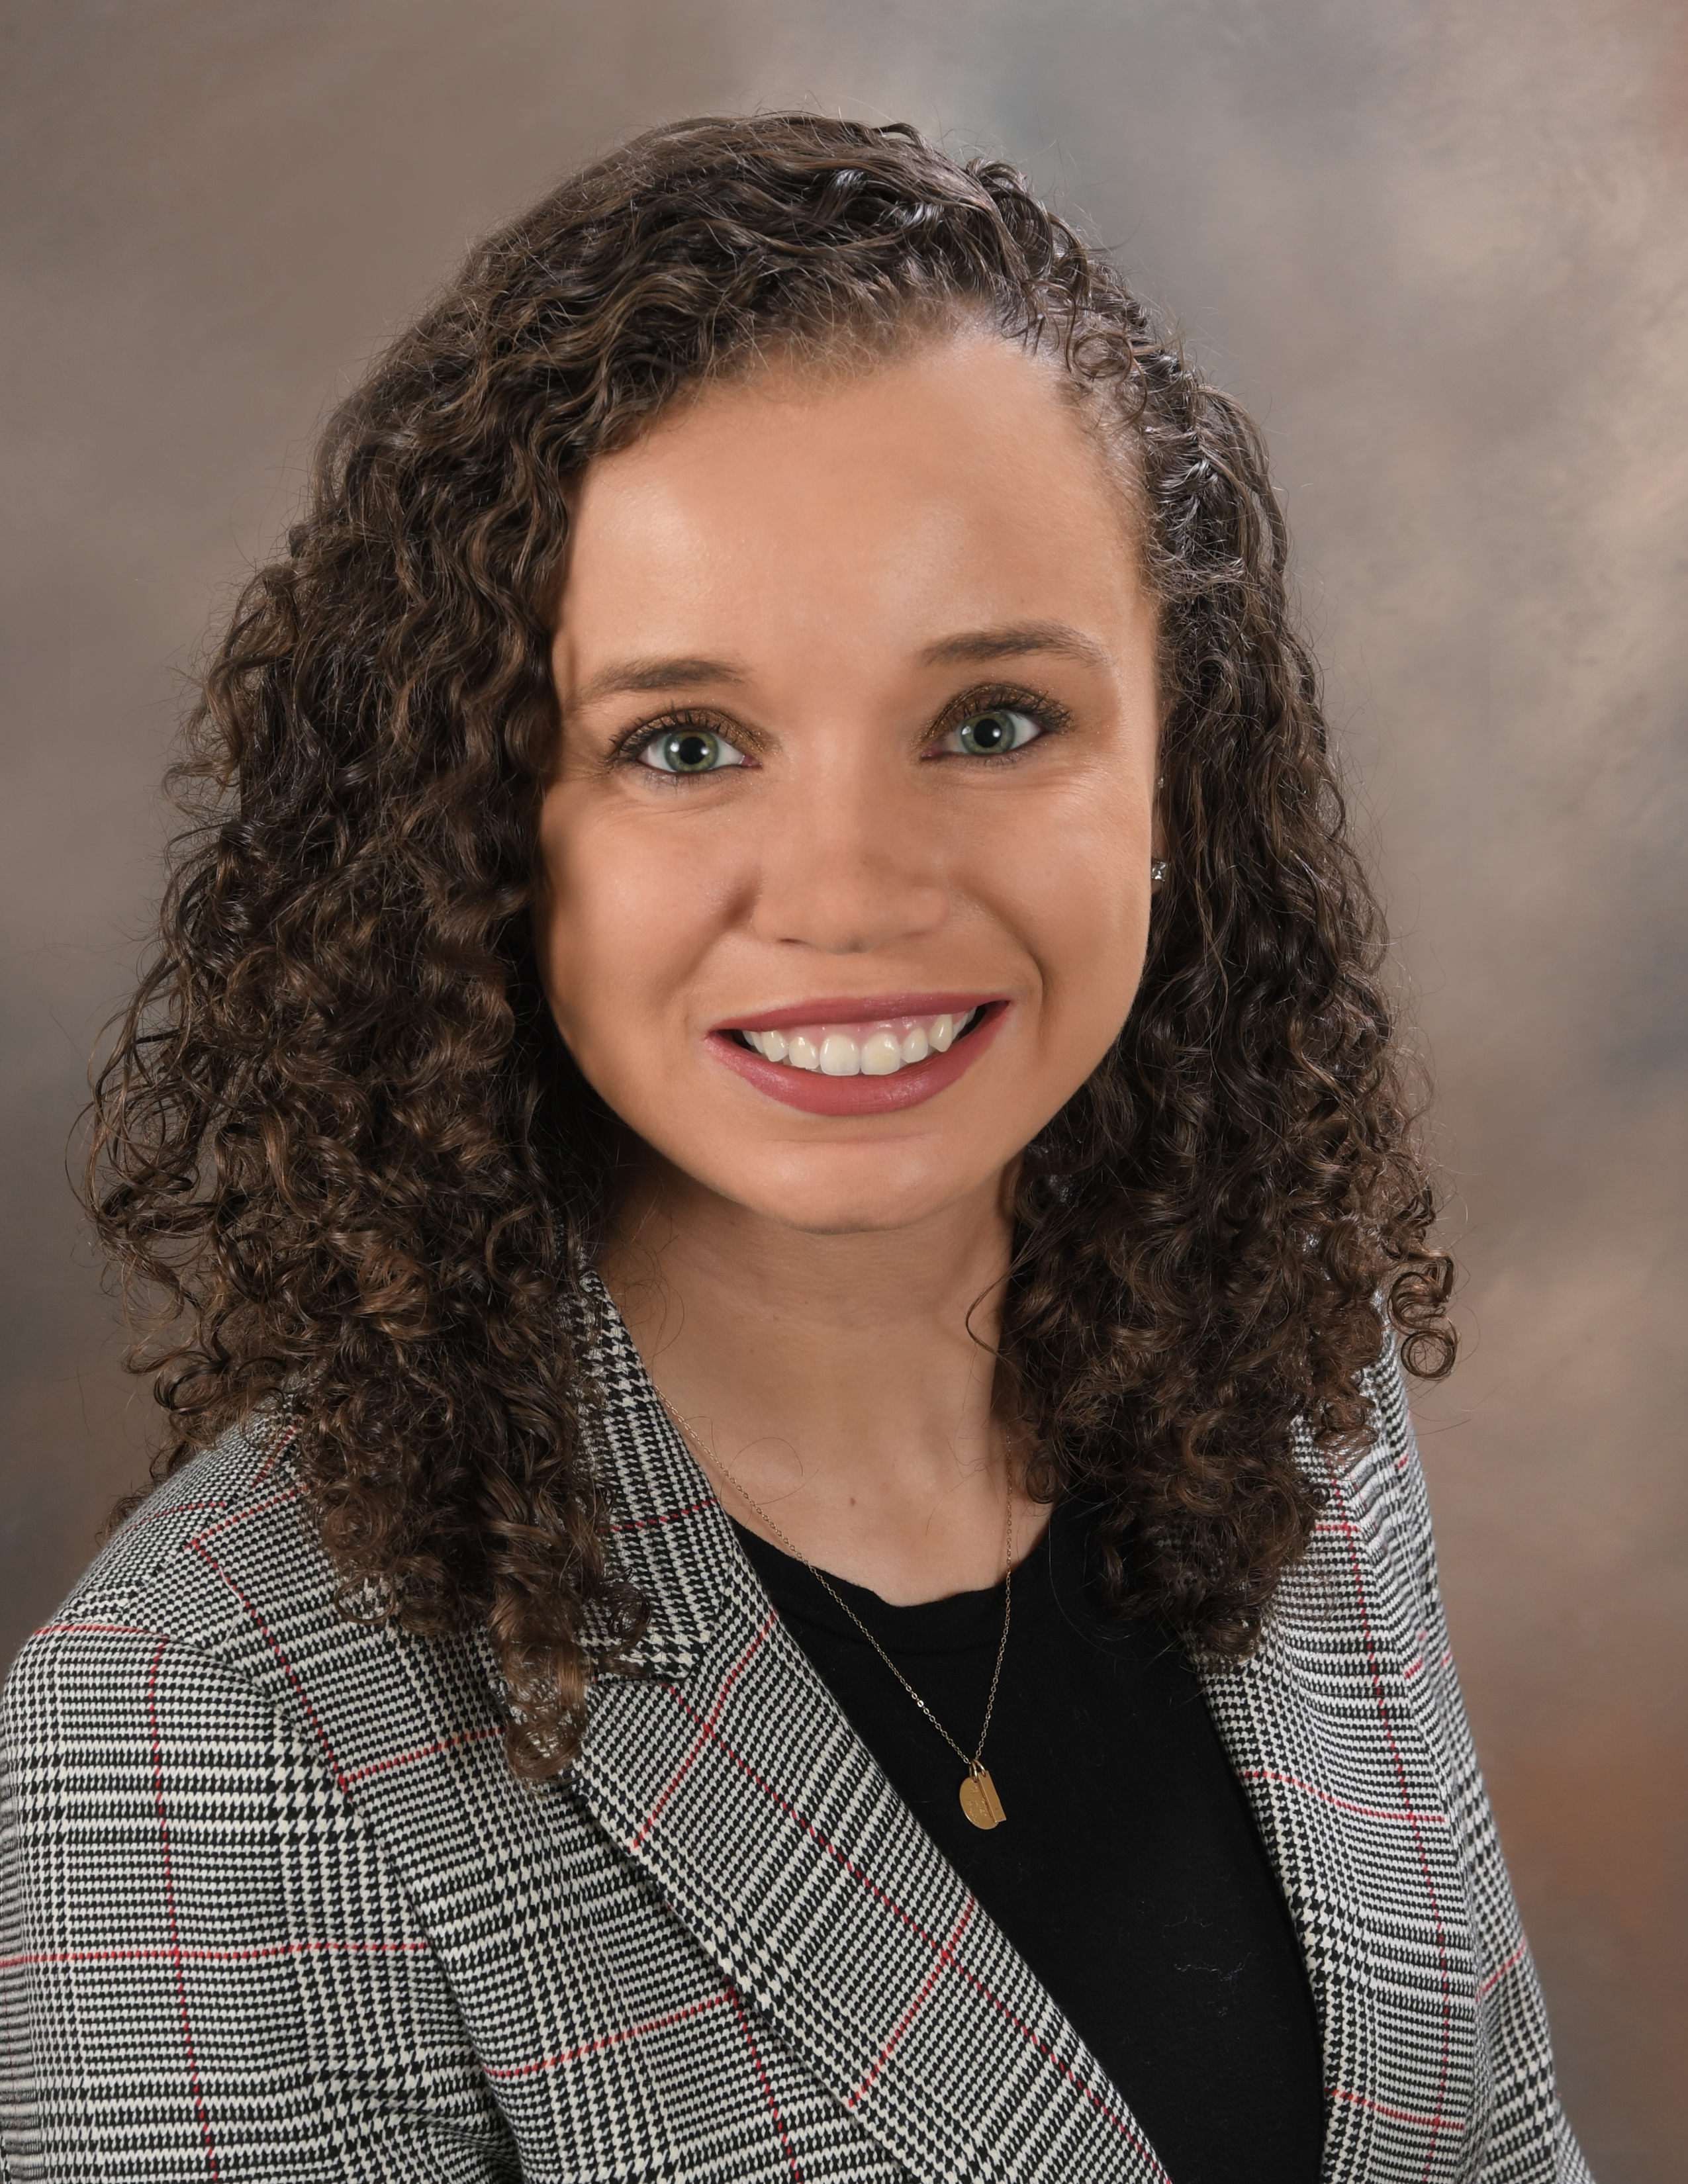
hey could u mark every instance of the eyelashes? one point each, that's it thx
(688, 752)
(634, 746)
(1013, 706)
(996, 733)
(990, 726)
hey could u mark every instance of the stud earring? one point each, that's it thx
(1158, 870)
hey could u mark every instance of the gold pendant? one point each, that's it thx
(979, 1800)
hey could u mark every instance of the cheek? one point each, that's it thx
(1091, 938)
(1085, 914)
(623, 923)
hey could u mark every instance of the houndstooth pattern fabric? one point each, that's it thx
(276, 1907)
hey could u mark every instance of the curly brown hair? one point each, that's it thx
(339, 1145)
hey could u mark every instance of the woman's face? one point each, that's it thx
(846, 857)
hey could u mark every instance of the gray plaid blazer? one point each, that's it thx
(276, 1909)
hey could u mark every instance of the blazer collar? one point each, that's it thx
(670, 1535)
(721, 1762)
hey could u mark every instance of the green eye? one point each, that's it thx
(988, 735)
(689, 750)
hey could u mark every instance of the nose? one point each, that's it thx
(849, 865)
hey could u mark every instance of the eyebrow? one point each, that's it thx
(688, 672)
(681, 673)
(978, 644)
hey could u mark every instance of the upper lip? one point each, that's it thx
(857, 1008)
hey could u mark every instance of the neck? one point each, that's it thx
(845, 1384)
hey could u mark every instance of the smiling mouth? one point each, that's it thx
(873, 1047)
(843, 1057)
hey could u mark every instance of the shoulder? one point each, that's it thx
(150, 1575)
(1385, 1482)
(147, 1654)
(1374, 1532)
(217, 1591)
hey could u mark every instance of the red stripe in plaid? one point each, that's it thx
(217, 1570)
(274, 1458)
(1342, 1804)
(1345, 1525)
(256, 1954)
(756, 2060)
(702, 1737)
(707, 1733)
(174, 1952)
(240, 1515)
(946, 1957)
(667, 1516)
(1432, 2124)
(593, 2047)
(123, 1629)
(1507, 1964)
(424, 1752)
(176, 1509)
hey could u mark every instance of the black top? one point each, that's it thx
(1129, 1874)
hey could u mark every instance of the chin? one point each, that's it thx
(858, 1191)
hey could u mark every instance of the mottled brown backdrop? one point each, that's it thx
(1438, 247)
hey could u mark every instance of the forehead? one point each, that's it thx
(959, 485)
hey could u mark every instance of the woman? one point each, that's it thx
(791, 1546)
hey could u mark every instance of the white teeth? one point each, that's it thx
(840, 1056)
(878, 1050)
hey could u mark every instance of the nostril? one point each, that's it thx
(843, 904)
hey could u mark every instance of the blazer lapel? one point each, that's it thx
(725, 1768)
(1352, 1808)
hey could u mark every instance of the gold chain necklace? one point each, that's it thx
(979, 1800)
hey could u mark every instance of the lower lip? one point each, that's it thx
(816, 1094)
